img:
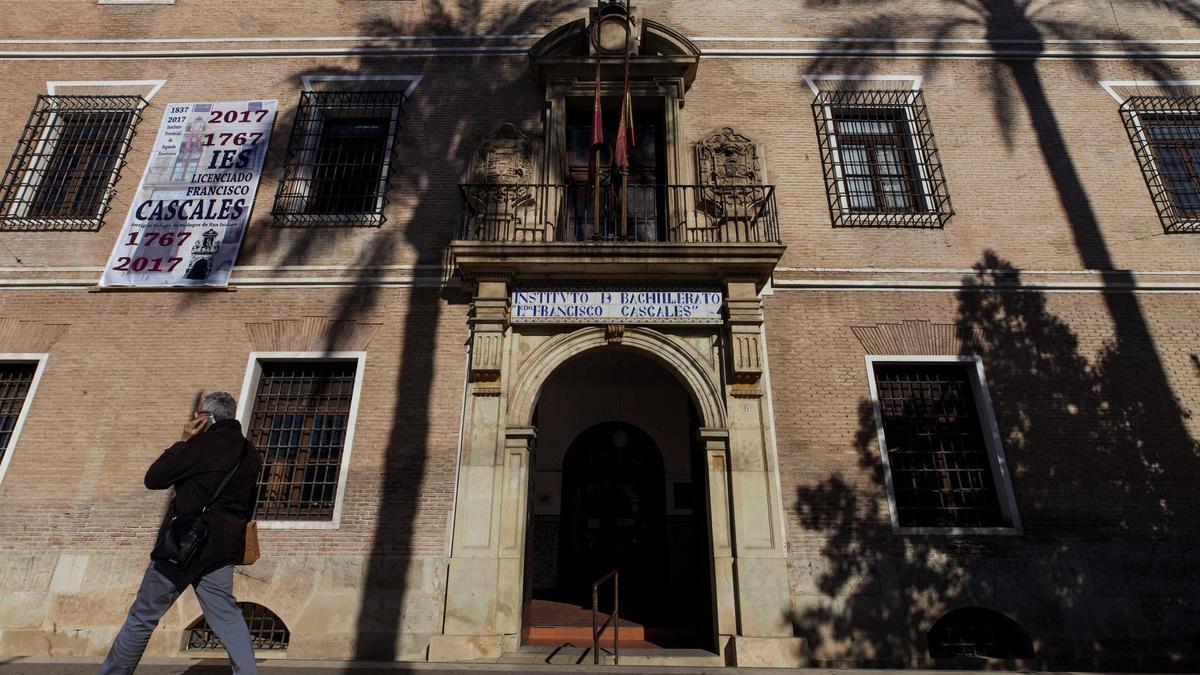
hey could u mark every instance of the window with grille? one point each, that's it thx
(942, 470)
(339, 159)
(298, 423)
(979, 632)
(15, 381)
(267, 631)
(1165, 131)
(880, 161)
(68, 159)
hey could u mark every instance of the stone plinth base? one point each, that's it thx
(767, 652)
(449, 648)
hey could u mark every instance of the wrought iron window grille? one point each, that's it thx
(267, 631)
(880, 160)
(939, 463)
(338, 167)
(62, 175)
(15, 381)
(1165, 132)
(298, 424)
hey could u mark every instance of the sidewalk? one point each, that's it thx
(88, 666)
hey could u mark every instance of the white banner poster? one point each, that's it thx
(186, 224)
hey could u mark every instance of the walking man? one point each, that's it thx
(212, 445)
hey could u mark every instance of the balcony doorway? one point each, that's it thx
(618, 485)
(644, 190)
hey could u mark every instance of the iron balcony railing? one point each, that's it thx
(647, 214)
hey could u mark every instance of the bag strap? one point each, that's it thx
(224, 482)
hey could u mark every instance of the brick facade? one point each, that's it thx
(1082, 311)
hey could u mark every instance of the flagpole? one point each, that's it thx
(626, 102)
(596, 172)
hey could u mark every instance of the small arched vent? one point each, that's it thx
(979, 632)
(267, 631)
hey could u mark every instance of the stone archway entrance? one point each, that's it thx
(717, 367)
(614, 484)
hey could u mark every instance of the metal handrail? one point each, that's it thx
(614, 618)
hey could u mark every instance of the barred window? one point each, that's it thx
(68, 159)
(299, 421)
(1165, 131)
(880, 161)
(979, 632)
(267, 631)
(15, 381)
(940, 465)
(339, 159)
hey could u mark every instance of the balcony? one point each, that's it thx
(657, 231)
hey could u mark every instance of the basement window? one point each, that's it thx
(267, 631)
(979, 633)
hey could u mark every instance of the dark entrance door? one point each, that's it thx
(614, 517)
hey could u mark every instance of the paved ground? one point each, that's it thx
(81, 666)
(39, 666)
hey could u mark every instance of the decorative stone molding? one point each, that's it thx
(744, 323)
(311, 334)
(614, 333)
(677, 356)
(489, 322)
(918, 337)
(29, 337)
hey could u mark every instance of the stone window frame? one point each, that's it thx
(245, 411)
(991, 435)
(39, 359)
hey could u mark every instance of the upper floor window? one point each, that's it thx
(67, 161)
(339, 159)
(301, 421)
(944, 467)
(881, 164)
(1165, 131)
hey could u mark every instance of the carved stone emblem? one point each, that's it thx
(500, 191)
(503, 157)
(728, 158)
(727, 166)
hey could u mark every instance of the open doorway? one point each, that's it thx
(618, 484)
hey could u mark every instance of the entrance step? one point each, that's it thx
(582, 656)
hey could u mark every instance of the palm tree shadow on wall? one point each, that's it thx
(1125, 391)
(1101, 477)
(437, 135)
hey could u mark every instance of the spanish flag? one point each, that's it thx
(625, 140)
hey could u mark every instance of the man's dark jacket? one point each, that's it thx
(195, 468)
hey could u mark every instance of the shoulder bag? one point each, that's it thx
(251, 553)
(185, 536)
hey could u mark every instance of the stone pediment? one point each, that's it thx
(661, 52)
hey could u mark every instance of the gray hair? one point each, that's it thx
(220, 404)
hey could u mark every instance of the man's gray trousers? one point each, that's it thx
(160, 587)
